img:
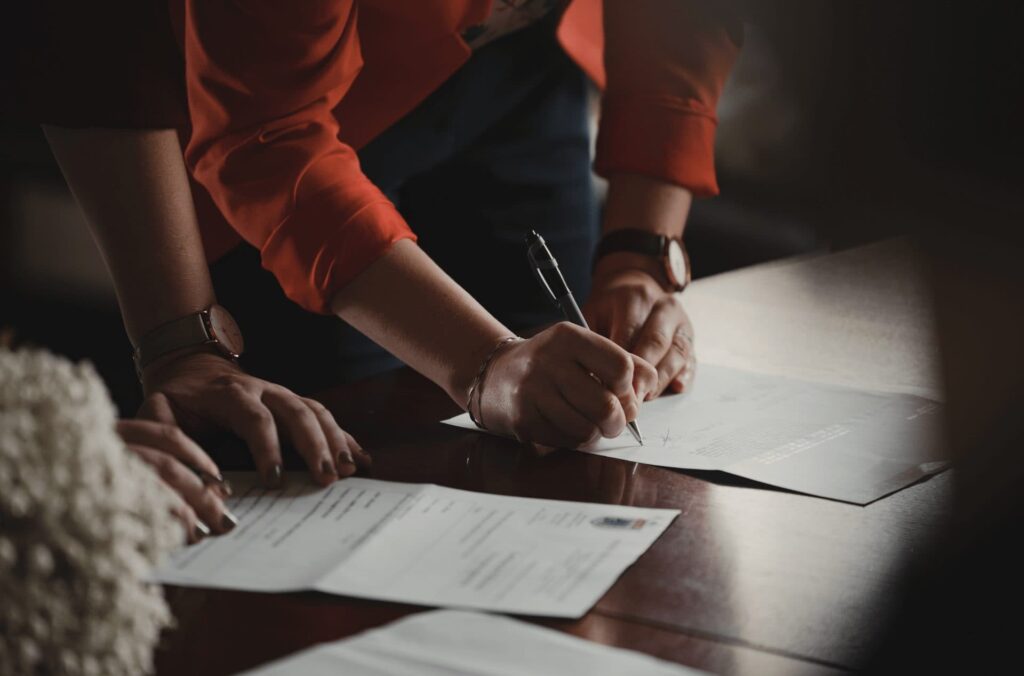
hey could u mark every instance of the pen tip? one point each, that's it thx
(634, 429)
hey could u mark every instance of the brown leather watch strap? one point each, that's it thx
(180, 333)
(212, 327)
(633, 241)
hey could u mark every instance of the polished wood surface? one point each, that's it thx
(748, 580)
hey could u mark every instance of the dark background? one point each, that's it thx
(841, 124)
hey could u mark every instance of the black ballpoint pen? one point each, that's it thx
(545, 269)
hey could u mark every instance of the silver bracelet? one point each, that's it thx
(478, 381)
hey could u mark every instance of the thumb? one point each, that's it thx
(645, 378)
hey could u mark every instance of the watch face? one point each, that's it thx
(226, 331)
(676, 265)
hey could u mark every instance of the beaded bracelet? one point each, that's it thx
(478, 381)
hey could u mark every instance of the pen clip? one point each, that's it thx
(534, 243)
(544, 282)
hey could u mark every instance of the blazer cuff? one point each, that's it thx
(666, 138)
(313, 255)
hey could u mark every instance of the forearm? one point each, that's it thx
(410, 306)
(133, 189)
(639, 202)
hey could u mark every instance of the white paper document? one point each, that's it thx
(460, 643)
(421, 543)
(825, 440)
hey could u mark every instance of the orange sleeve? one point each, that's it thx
(263, 77)
(666, 62)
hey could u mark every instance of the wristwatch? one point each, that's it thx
(213, 327)
(669, 250)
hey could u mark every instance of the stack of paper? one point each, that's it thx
(825, 440)
(453, 643)
(420, 543)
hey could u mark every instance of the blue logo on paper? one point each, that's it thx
(619, 522)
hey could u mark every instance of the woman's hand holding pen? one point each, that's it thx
(565, 387)
(202, 392)
(187, 470)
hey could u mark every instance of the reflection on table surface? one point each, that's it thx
(746, 580)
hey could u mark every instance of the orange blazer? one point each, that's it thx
(281, 94)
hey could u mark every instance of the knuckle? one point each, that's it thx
(563, 329)
(208, 504)
(256, 415)
(179, 507)
(172, 435)
(609, 406)
(127, 427)
(316, 406)
(296, 407)
(233, 387)
(658, 339)
(186, 513)
(632, 329)
(670, 302)
(166, 467)
(647, 294)
(623, 364)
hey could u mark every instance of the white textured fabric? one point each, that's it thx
(82, 523)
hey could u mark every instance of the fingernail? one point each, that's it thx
(327, 468)
(345, 466)
(202, 530)
(275, 477)
(208, 478)
(228, 520)
(217, 481)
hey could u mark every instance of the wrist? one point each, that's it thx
(619, 264)
(637, 201)
(476, 388)
(466, 366)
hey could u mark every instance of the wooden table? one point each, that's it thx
(747, 580)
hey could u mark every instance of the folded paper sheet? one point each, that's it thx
(421, 543)
(825, 440)
(456, 643)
